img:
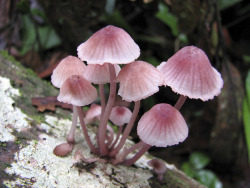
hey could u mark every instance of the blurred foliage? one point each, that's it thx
(223, 4)
(246, 114)
(36, 36)
(194, 168)
(169, 19)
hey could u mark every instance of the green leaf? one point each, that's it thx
(23, 6)
(168, 18)
(208, 178)
(223, 4)
(246, 58)
(248, 86)
(28, 35)
(246, 115)
(188, 169)
(48, 37)
(39, 13)
(198, 160)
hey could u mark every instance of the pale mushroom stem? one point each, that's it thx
(85, 131)
(117, 137)
(127, 130)
(180, 102)
(104, 120)
(102, 96)
(71, 135)
(110, 136)
(144, 147)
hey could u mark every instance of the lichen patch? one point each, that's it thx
(11, 118)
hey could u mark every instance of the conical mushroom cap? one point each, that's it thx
(190, 73)
(120, 115)
(99, 74)
(139, 80)
(77, 91)
(109, 45)
(162, 126)
(67, 67)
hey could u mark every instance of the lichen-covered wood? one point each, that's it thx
(28, 137)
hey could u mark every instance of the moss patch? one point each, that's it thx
(29, 85)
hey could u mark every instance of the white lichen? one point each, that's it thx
(11, 118)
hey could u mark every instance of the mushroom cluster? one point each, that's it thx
(188, 72)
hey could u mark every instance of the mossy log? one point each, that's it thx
(27, 139)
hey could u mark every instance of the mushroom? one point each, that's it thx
(76, 90)
(161, 126)
(138, 80)
(110, 45)
(67, 67)
(93, 113)
(189, 73)
(99, 74)
(158, 166)
(119, 116)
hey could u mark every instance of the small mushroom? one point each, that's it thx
(119, 116)
(67, 67)
(138, 80)
(161, 126)
(77, 91)
(93, 114)
(158, 166)
(189, 73)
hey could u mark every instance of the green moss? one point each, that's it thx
(29, 85)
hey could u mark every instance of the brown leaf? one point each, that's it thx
(49, 103)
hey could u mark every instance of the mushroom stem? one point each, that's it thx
(104, 120)
(180, 102)
(110, 136)
(127, 130)
(71, 135)
(144, 147)
(117, 137)
(85, 131)
(102, 96)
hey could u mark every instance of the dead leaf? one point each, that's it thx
(49, 103)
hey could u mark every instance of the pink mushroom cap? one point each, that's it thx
(109, 45)
(93, 113)
(162, 126)
(99, 74)
(77, 91)
(67, 67)
(139, 80)
(190, 73)
(158, 165)
(120, 115)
